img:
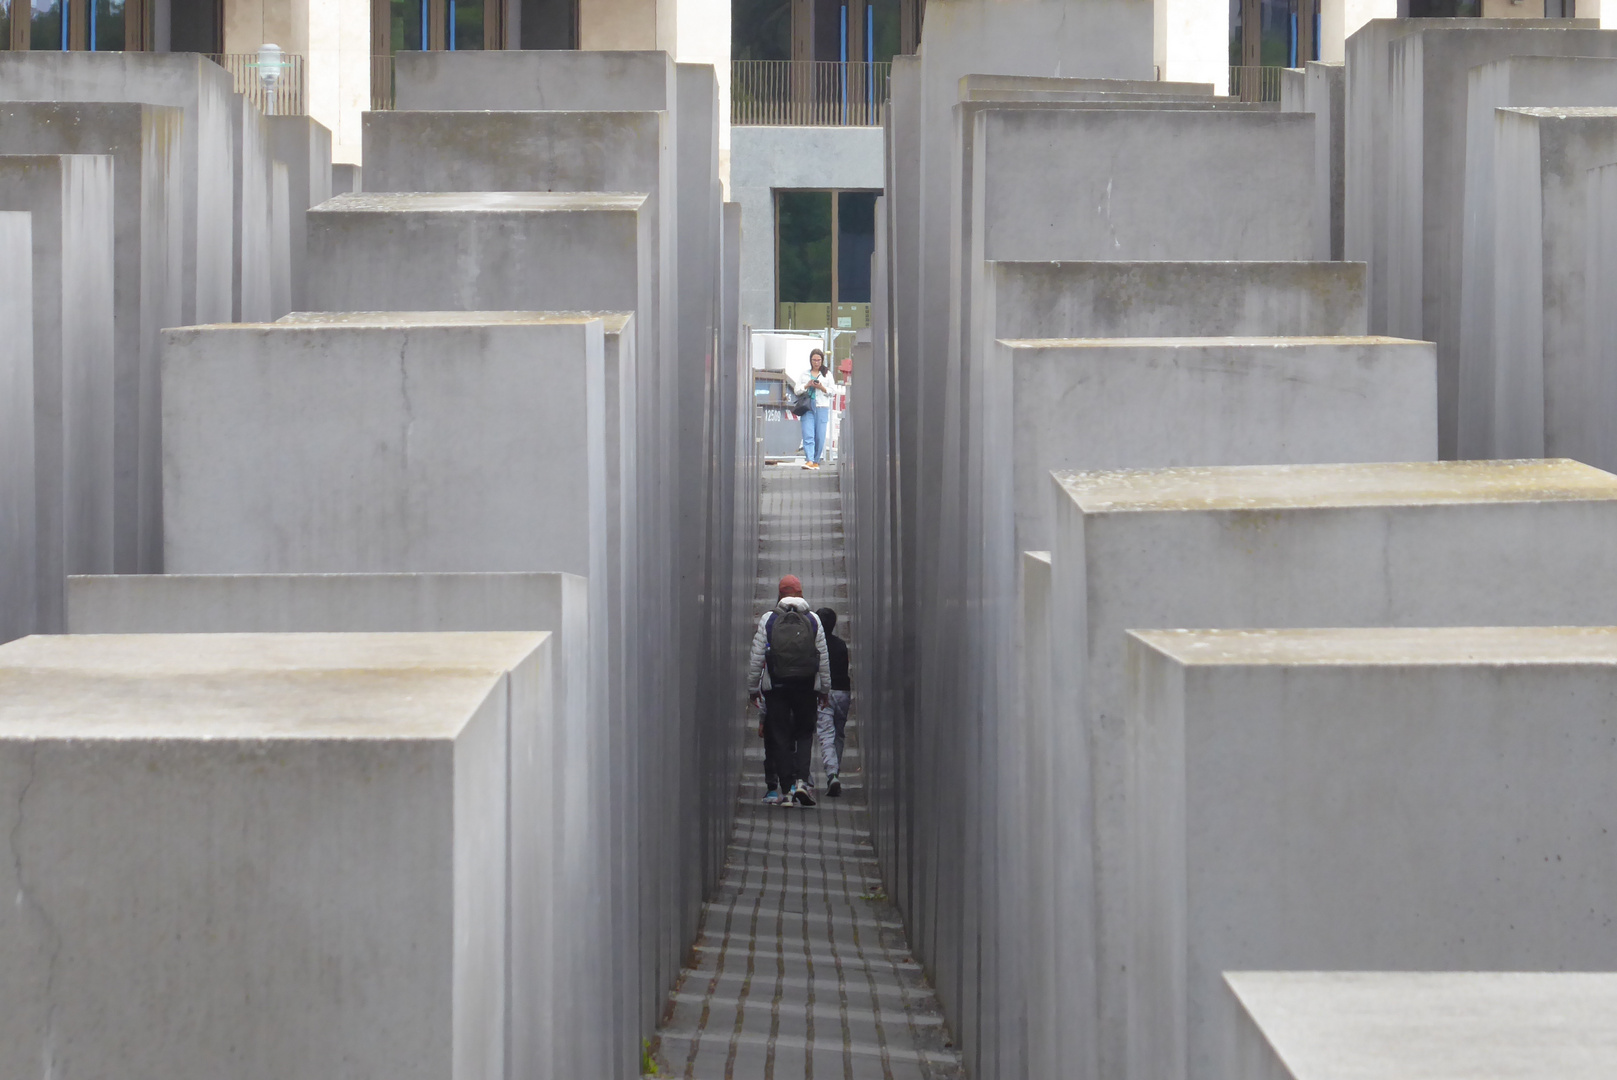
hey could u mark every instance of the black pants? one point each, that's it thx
(790, 711)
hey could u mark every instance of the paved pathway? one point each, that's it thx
(801, 969)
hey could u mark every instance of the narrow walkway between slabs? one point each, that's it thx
(801, 969)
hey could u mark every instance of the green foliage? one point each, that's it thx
(648, 1063)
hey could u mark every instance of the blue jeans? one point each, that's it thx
(816, 422)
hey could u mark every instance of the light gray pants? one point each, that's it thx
(831, 727)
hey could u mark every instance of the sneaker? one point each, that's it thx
(833, 786)
(808, 464)
(802, 794)
(773, 798)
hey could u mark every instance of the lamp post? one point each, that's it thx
(270, 65)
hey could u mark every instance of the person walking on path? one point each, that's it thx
(833, 721)
(817, 421)
(788, 674)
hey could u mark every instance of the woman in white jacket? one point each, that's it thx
(817, 421)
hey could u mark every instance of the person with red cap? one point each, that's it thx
(789, 676)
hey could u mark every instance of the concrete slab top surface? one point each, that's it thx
(479, 202)
(614, 320)
(211, 687)
(1280, 487)
(1445, 646)
(1436, 1026)
(1201, 342)
(1561, 111)
(971, 83)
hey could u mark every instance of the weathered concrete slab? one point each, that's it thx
(386, 443)
(546, 973)
(1421, 111)
(1546, 397)
(1435, 544)
(1320, 88)
(1421, 1025)
(1434, 793)
(70, 198)
(505, 251)
(185, 81)
(19, 540)
(302, 145)
(145, 144)
(158, 783)
(1512, 82)
(562, 80)
(1173, 299)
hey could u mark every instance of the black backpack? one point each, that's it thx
(793, 651)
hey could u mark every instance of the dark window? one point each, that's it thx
(549, 24)
(804, 220)
(408, 29)
(1445, 9)
(106, 25)
(856, 242)
(194, 26)
(465, 24)
(47, 27)
(759, 30)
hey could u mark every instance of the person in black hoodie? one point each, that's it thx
(833, 719)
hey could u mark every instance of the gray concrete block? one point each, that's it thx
(1111, 403)
(504, 251)
(144, 142)
(1411, 106)
(252, 274)
(546, 985)
(1319, 88)
(345, 179)
(996, 87)
(314, 823)
(1489, 1025)
(70, 198)
(1100, 182)
(1434, 794)
(303, 146)
(19, 585)
(386, 443)
(1293, 546)
(1173, 299)
(1547, 397)
(1512, 82)
(185, 81)
(533, 80)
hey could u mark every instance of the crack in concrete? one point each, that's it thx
(25, 899)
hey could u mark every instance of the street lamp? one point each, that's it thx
(270, 65)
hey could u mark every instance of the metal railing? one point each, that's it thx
(807, 93)
(1255, 83)
(289, 96)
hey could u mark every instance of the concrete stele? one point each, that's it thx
(560, 801)
(1514, 82)
(1422, 1025)
(155, 784)
(19, 585)
(70, 198)
(387, 442)
(1361, 799)
(145, 144)
(1414, 544)
(479, 251)
(187, 81)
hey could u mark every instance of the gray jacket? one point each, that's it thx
(758, 671)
